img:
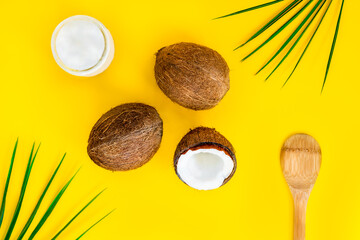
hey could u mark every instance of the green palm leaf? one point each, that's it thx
(31, 218)
(22, 192)
(293, 34)
(94, 225)
(272, 21)
(309, 42)
(299, 38)
(279, 30)
(333, 45)
(250, 9)
(2, 209)
(283, 13)
(51, 208)
(77, 215)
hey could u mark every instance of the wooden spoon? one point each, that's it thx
(300, 162)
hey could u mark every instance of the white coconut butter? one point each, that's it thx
(204, 169)
(82, 46)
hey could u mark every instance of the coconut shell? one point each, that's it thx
(126, 137)
(202, 138)
(192, 75)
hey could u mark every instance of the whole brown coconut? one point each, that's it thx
(208, 141)
(126, 137)
(191, 75)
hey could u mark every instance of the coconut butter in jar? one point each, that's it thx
(82, 46)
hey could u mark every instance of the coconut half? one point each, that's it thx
(204, 159)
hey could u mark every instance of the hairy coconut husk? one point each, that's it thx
(192, 75)
(202, 138)
(126, 137)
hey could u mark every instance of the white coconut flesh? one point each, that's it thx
(204, 169)
(80, 44)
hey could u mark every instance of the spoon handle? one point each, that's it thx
(300, 203)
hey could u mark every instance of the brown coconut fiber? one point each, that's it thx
(192, 75)
(202, 138)
(126, 137)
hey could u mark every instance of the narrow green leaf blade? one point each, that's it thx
(298, 39)
(279, 30)
(55, 237)
(51, 208)
(308, 44)
(22, 192)
(272, 21)
(250, 9)
(31, 218)
(333, 45)
(2, 209)
(94, 225)
(292, 35)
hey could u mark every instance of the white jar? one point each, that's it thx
(82, 46)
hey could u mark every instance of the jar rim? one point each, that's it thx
(105, 54)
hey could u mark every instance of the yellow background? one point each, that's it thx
(41, 102)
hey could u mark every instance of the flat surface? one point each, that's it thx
(39, 101)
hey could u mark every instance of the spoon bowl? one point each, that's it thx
(300, 160)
